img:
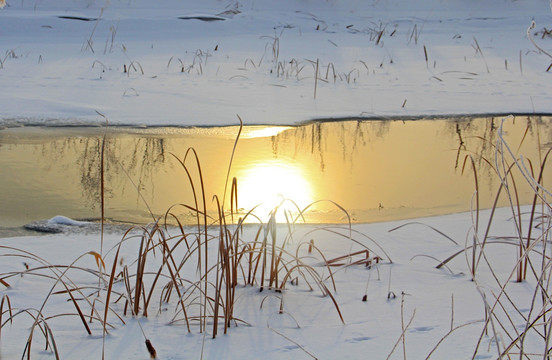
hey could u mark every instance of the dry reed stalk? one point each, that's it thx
(413, 34)
(478, 49)
(52, 339)
(501, 164)
(102, 181)
(402, 326)
(367, 260)
(202, 258)
(507, 172)
(530, 36)
(6, 299)
(108, 296)
(133, 66)
(180, 295)
(151, 349)
(451, 330)
(526, 245)
(182, 67)
(327, 262)
(228, 251)
(533, 206)
(234, 187)
(316, 77)
(139, 284)
(288, 338)
(218, 280)
(271, 226)
(430, 227)
(333, 71)
(89, 41)
(349, 237)
(140, 265)
(168, 260)
(224, 274)
(318, 280)
(476, 224)
(489, 319)
(60, 277)
(426, 57)
(404, 329)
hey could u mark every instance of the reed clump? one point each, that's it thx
(516, 326)
(193, 274)
(227, 251)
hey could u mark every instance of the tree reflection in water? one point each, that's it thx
(376, 169)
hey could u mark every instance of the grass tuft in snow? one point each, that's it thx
(516, 326)
(198, 272)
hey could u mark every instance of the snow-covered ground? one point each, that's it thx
(258, 58)
(405, 292)
(62, 61)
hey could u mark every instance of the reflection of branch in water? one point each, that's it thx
(461, 145)
(305, 138)
(90, 164)
(147, 153)
(478, 137)
(274, 142)
(352, 135)
(140, 157)
(343, 140)
(317, 140)
(359, 135)
(84, 152)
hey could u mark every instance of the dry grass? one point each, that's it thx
(219, 249)
(514, 332)
(228, 251)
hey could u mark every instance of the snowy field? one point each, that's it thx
(201, 63)
(63, 60)
(400, 307)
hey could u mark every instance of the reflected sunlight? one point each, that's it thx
(267, 184)
(262, 131)
(375, 170)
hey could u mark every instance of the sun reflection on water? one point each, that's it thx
(265, 185)
(373, 170)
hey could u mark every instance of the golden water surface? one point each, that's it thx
(375, 170)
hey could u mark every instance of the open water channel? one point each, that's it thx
(376, 170)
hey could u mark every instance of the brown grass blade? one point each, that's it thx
(5, 298)
(420, 223)
(151, 349)
(108, 296)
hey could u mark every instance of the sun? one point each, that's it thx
(265, 185)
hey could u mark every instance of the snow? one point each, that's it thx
(57, 224)
(63, 62)
(405, 283)
(64, 220)
(259, 62)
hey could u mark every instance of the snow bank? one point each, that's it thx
(65, 60)
(404, 293)
(57, 224)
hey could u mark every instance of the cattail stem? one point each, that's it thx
(151, 349)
